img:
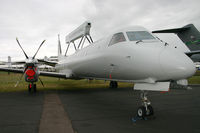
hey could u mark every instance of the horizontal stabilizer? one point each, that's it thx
(79, 32)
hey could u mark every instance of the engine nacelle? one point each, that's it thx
(31, 74)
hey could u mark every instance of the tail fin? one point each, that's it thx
(9, 62)
(188, 34)
(59, 48)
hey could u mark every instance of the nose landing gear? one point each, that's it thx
(32, 88)
(146, 109)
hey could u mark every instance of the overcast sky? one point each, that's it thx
(32, 21)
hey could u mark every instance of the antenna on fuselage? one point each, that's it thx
(83, 32)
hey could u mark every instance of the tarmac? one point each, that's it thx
(101, 111)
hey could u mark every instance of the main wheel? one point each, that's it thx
(113, 84)
(141, 112)
(34, 88)
(29, 88)
(149, 110)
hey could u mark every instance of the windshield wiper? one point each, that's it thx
(139, 41)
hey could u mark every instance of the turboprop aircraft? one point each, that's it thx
(30, 71)
(131, 54)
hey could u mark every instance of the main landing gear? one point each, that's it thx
(146, 109)
(113, 84)
(32, 88)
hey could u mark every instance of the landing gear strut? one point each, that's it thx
(113, 84)
(32, 88)
(146, 109)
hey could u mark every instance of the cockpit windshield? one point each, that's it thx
(118, 37)
(139, 35)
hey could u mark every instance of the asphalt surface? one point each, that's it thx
(110, 111)
(105, 111)
(20, 112)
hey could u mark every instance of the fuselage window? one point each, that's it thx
(139, 35)
(118, 37)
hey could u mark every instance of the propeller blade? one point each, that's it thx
(41, 82)
(17, 84)
(38, 49)
(19, 80)
(22, 48)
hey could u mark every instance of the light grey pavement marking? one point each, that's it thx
(54, 119)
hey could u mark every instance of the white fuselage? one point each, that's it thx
(129, 61)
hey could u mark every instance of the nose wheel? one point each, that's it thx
(146, 109)
(32, 88)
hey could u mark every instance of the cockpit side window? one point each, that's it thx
(118, 37)
(139, 35)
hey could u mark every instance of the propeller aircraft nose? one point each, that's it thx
(176, 65)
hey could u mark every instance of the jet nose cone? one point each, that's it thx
(176, 65)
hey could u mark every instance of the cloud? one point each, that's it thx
(34, 20)
(151, 13)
